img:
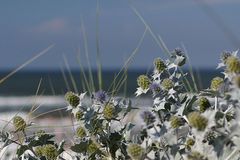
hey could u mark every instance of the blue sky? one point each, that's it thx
(27, 27)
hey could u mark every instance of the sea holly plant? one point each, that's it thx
(101, 134)
(179, 125)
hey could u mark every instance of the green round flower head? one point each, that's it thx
(233, 64)
(175, 121)
(79, 115)
(197, 121)
(49, 151)
(167, 84)
(225, 56)
(143, 82)
(39, 151)
(216, 83)
(109, 111)
(80, 132)
(92, 147)
(159, 65)
(72, 99)
(135, 151)
(196, 156)
(19, 123)
(204, 104)
(40, 133)
(190, 142)
(237, 81)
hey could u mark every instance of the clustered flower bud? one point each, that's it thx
(167, 84)
(109, 111)
(92, 147)
(19, 123)
(72, 99)
(159, 65)
(197, 121)
(204, 104)
(135, 151)
(175, 121)
(143, 82)
(216, 83)
(79, 115)
(225, 56)
(233, 64)
(39, 151)
(49, 151)
(148, 117)
(196, 156)
(189, 143)
(80, 132)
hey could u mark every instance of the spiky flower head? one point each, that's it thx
(72, 99)
(233, 64)
(216, 83)
(196, 156)
(204, 104)
(79, 115)
(148, 117)
(19, 123)
(197, 121)
(135, 151)
(80, 132)
(189, 143)
(39, 151)
(100, 96)
(175, 121)
(237, 81)
(92, 147)
(167, 84)
(40, 133)
(224, 56)
(159, 65)
(143, 81)
(49, 151)
(109, 111)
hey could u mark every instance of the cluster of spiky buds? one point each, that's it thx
(135, 151)
(196, 156)
(233, 64)
(175, 121)
(197, 121)
(49, 151)
(80, 132)
(216, 83)
(72, 99)
(167, 84)
(109, 111)
(92, 147)
(38, 151)
(204, 104)
(19, 123)
(189, 143)
(79, 115)
(159, 65)
(143, 81)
